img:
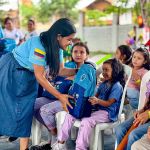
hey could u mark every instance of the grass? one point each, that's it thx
(93, 53)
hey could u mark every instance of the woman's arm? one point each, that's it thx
(95, 100)
(66, 71)
(39, 72)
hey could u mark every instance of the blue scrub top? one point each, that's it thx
(32, 52)
(115, 93)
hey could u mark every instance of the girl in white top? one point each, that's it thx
(11, 32)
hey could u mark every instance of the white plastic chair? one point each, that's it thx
(97, 135)
(36, 132)
(143, 89)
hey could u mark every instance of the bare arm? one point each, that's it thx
(95, 100)
(39, 72)
(66, 71)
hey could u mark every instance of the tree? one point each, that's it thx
(2, 13)
(60, 8)
(27, 12)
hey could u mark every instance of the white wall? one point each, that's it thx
(100, 38)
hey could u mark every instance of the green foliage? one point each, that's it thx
(60, 8)
(95, 18)
(27, 12)
(2, 13)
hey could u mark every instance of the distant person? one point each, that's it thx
(31, 29)
(140, 65)
(132, 38)
(10, 31)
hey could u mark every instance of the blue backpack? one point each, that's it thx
(82, 88)
(61, 84)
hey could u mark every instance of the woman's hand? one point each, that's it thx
(93, 100)
(64, 100)
(141, 118)
(136, 114)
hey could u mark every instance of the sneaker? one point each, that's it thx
(59, 146)
(11, 139)
(42, 147)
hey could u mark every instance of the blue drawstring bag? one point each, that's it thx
(61, 84)
(82, 88)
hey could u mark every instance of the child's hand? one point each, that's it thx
(70, 78)
(136, 114)
(93, 100)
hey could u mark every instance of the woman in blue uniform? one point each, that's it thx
(22, 68)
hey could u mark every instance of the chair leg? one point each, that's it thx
(101, 140)
(60, 117)
(36, 132)
(98, 139)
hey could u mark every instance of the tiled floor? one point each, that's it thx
(109, 141)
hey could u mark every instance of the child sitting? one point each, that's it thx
(140, 65)
(141, 118)
(107, 101)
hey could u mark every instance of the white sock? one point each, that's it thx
(53, 139)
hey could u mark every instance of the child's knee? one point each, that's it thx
(132, 136)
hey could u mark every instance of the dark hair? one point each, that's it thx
(63, 27)
(7, 19)
(31, 20)
(117, 71)
(145, 53)
(82, 45)
(127, 51)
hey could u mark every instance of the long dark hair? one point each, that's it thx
(63, 27)
(127, 51)
(146, 57)
(117, 71)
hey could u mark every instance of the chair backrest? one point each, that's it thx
(128, 73)
(143, 89)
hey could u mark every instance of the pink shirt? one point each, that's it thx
(132, 83)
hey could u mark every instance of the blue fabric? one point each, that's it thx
(70, 64)
(61, 84)
(1, 32)
(18, 91)
(7, 44)
(32, 52)
(106, 92)
(83, 87)
(133, 97)
(135, 135)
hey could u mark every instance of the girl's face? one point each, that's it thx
(65, 41)
(107, 71)
(79, 54)
(31, 26)
(138, 60)
(119, 56)
(9, 25)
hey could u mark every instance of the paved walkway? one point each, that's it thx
(109, 141)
